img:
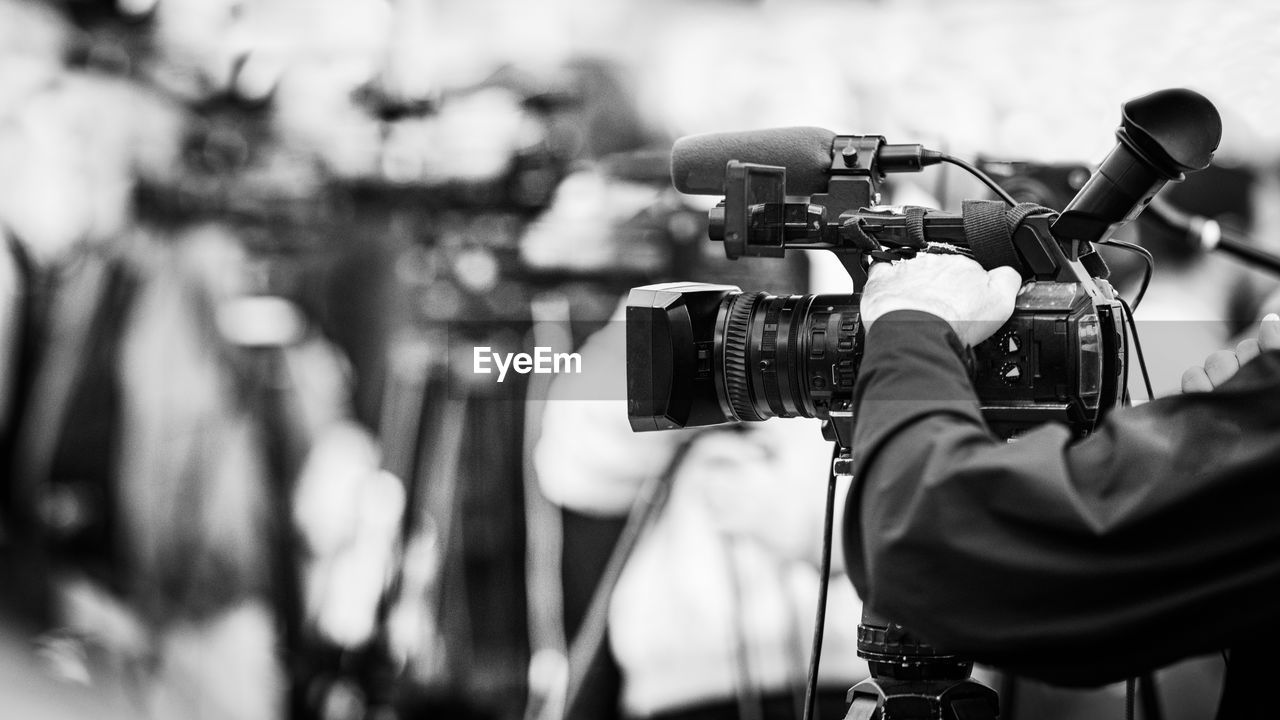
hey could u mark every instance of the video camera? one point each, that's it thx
(700, 354)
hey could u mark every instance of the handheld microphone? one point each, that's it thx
(1161, 136)
(1206, 235)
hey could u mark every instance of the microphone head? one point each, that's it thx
(698, 161)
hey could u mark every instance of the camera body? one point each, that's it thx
(707, 354)
(700, 354)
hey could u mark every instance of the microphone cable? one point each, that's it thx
(974, 171)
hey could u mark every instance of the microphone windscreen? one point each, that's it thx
(649, 166)
(698, 161)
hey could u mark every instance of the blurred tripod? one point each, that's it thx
(454, 549)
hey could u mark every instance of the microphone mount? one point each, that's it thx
(755, 219)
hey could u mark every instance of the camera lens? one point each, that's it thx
(700, 354)
(786, 356)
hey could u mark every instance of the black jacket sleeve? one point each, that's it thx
(1156, 537)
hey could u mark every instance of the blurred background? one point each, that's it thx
(250, 245)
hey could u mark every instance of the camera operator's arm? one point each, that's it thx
(1081, 562)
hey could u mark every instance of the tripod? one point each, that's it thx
(910, 679)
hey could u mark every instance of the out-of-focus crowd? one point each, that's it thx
(248, 249)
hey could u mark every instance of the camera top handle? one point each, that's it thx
(1161, 136)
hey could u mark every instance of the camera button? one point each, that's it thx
(1011, 373)
(1010, 343)
(817, 344)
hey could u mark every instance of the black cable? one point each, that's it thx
(1125, 399)
(940, 188)
(1130, 688)
(1137, 348)
(1146, 256)
(1130, 685)
(1128, 316)
(985, 178)
(811, 687)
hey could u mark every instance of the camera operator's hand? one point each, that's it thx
(1221, 365)
(974, 301)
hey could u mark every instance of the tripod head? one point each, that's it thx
(912, 679)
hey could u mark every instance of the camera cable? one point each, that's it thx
(985, 178)
(1146, 257)
(1137, 348)
(824, 580)
(1129, 310)
(1147, 689)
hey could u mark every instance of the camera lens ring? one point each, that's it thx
(767, 375)
(737, 337)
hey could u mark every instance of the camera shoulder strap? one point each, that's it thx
(986, 227)
(1016, 214)
(989, 226)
